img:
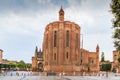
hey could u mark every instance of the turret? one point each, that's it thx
(40, 50)
(97, 48)
(61, 15)
(36, 51)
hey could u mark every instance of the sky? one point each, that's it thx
(22, 25)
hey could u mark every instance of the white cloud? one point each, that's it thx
(95, 22)
(44, 1)
(19, 24)
(25, 30)
(20, 33)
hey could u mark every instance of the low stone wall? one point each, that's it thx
(69, 70)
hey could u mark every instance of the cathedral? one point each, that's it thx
(61, 50)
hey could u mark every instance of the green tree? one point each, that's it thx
(106, 67)
(12, 64)
(28, 65)
(115, 8)
(21, 64)
(102, 57)
(119, 59)
(0, 67)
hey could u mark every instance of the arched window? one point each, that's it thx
(67, 55)
(55, 38)
(67, 38)
(54, 56)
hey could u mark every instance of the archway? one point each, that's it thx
(40, 67)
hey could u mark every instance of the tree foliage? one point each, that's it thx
(12, 64)
(115, 8)
(102, 57)
(106, 67)
(15, 65)
(118, 59)
(21, 64)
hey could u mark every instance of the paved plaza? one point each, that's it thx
(57, 78)
(37, 76)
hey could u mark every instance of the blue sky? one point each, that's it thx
(22, 25)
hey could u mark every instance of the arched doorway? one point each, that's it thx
(40, 67)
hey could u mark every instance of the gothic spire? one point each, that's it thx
(97, 48)
(40, 50)
(61, 15)
(36, 50)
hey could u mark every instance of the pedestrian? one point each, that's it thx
(11, 74)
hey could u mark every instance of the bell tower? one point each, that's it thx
(61, 15)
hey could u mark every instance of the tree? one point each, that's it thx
(12, 64)
(21, 64)
(106, 67)
(119, 59)
(115, 8)
(102, 57)
(28, 65)
(0, 67)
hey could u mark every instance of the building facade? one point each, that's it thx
(115, 64)
(62, 51)
(115, 57)
(1, 55)
(37, 60)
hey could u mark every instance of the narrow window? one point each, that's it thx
(67, 38)
(81, 61)
(67, 55)
(76, 40)
(54, 56)
(55, 38)
(92, 61)
(47, 41)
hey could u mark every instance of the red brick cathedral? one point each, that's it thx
(62, 51)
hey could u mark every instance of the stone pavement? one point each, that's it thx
(59, 78)
(37, 76)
